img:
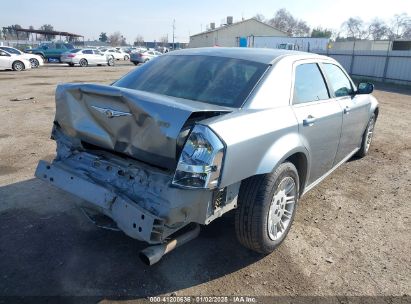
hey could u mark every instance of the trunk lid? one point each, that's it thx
(142, 125)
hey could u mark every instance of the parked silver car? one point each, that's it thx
(85, 57)
(196, 133)
(142, 57)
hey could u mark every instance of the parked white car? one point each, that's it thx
(34, 59)
(116, 54)
(85, 57)
(13, 62)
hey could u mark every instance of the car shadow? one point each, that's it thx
(48, 247)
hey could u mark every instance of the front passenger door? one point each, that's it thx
(319, 118)
(355, 110)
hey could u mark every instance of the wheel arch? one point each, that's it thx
(296, 153)
(300, 161)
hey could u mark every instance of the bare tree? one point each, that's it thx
(139, 40)
(378, 30)
(400, 25)
(10, 32)
(115, 39)
(284, 21)
(47, 27)
(354, 28)
(259, 17)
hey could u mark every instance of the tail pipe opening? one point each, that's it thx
(153, 254)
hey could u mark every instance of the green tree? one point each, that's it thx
(103, 37)
(319, 32)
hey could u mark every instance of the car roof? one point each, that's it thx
(262, 55)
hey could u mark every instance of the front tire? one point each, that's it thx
(110, 61)
(34, 63)
(367, 137)
(18, 66)
(267, 205)
(126, 57)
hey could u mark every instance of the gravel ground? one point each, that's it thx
(351, 235)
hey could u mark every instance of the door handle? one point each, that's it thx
(309, 121)
(347, 110)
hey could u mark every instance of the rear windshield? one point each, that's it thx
(215, 80)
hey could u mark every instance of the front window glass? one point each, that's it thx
(215, 80)
(309, 84)
(339, 81)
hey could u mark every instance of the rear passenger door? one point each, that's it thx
(355, 109)
(319, 117)
(89, 56)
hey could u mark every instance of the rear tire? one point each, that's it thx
(83, 62)
(18, 66)
(267, 205)
(71, 64)
(135, 63)
(367, 137)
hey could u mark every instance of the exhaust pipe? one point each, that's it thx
(153, 254)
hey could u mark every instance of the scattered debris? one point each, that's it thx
(329, 260)
(22, 99)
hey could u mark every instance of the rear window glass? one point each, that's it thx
(75, 50)
(309, 84)
(215, 80)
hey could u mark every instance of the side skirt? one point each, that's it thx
(319, 180)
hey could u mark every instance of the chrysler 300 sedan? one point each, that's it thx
(197, 133)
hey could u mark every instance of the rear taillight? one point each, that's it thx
(71, 55)
(140, 55)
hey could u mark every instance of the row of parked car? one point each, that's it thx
(12, 58)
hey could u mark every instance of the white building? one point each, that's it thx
(233, 34)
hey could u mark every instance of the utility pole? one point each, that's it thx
(174, 28)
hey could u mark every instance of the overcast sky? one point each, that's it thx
(153, 19)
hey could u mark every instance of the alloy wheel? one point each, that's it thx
(281, 208)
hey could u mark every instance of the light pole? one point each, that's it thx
(174, 28)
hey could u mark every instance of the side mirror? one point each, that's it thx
(365, 88)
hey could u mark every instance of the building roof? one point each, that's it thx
(43, 32)
(266, 56)
(236, 23)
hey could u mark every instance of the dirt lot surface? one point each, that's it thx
(351, 235)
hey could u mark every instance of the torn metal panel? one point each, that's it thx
(142, 125)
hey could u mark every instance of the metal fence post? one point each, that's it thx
(352, 58)
(387, 60)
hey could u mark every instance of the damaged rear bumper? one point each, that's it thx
(138, 197)
(135, 221)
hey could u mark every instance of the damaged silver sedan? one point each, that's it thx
(194, 134)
